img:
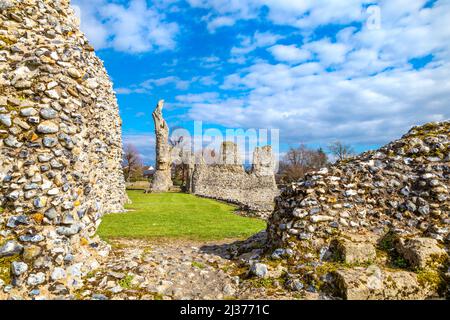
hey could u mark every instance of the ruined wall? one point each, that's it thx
(389, 208)
(60, 146)
(228, 181)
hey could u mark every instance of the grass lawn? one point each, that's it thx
(177, 215)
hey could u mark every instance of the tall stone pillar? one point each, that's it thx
(162, 181)
(263, 161)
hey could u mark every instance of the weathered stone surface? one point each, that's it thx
(60, 143)
(10, 248)
(421, 252)
(227, 180)
(373, 283)
(174, 270)
(259, 269)
(5, 120)
(162, 180)
(399, 191)
(18, 268)
(389, 185)
(352, 252)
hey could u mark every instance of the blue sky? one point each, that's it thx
(359, 71)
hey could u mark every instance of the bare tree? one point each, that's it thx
(340, 150)
(299, 161)
(132, 162)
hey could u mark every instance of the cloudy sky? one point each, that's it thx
(359, 71)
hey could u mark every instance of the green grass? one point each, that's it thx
(177, 216)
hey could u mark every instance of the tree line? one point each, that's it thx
(297, 162)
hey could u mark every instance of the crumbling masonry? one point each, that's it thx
(372, 227)
(60, 149)
(227, 180)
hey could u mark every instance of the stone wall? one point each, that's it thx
(60, 147)
(389, 208)
(227, 180)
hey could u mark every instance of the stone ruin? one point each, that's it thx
(162, 180)
(373, 227)
(227, 179)
(60, 150)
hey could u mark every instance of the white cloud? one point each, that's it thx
(258, 40)
(208, 80)
(131, 28)
(289, 53)
(313, 13)
(243, 9)
(241, 53)
(210, 62)
(220, 22)
(147, 85)
(237, 60)
(302, 14)
(202, 97)
(170, 80)
(327, 106)
(359, 86)
(327, 52)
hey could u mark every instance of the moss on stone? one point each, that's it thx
(126, 282)
(429, 130)
(199, 265)
(432, 278)
(386, 246)
(268, 283)
(158, 296)
(5, 268)
(9, 41)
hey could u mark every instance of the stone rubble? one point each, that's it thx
(389, 208)
(175, 270)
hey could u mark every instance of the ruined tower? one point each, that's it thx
(60, 147)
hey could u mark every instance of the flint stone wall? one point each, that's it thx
(403, 186)
(378, 208)
(227, 180)
(60, 146)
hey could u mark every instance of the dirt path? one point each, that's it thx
(138, 269)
